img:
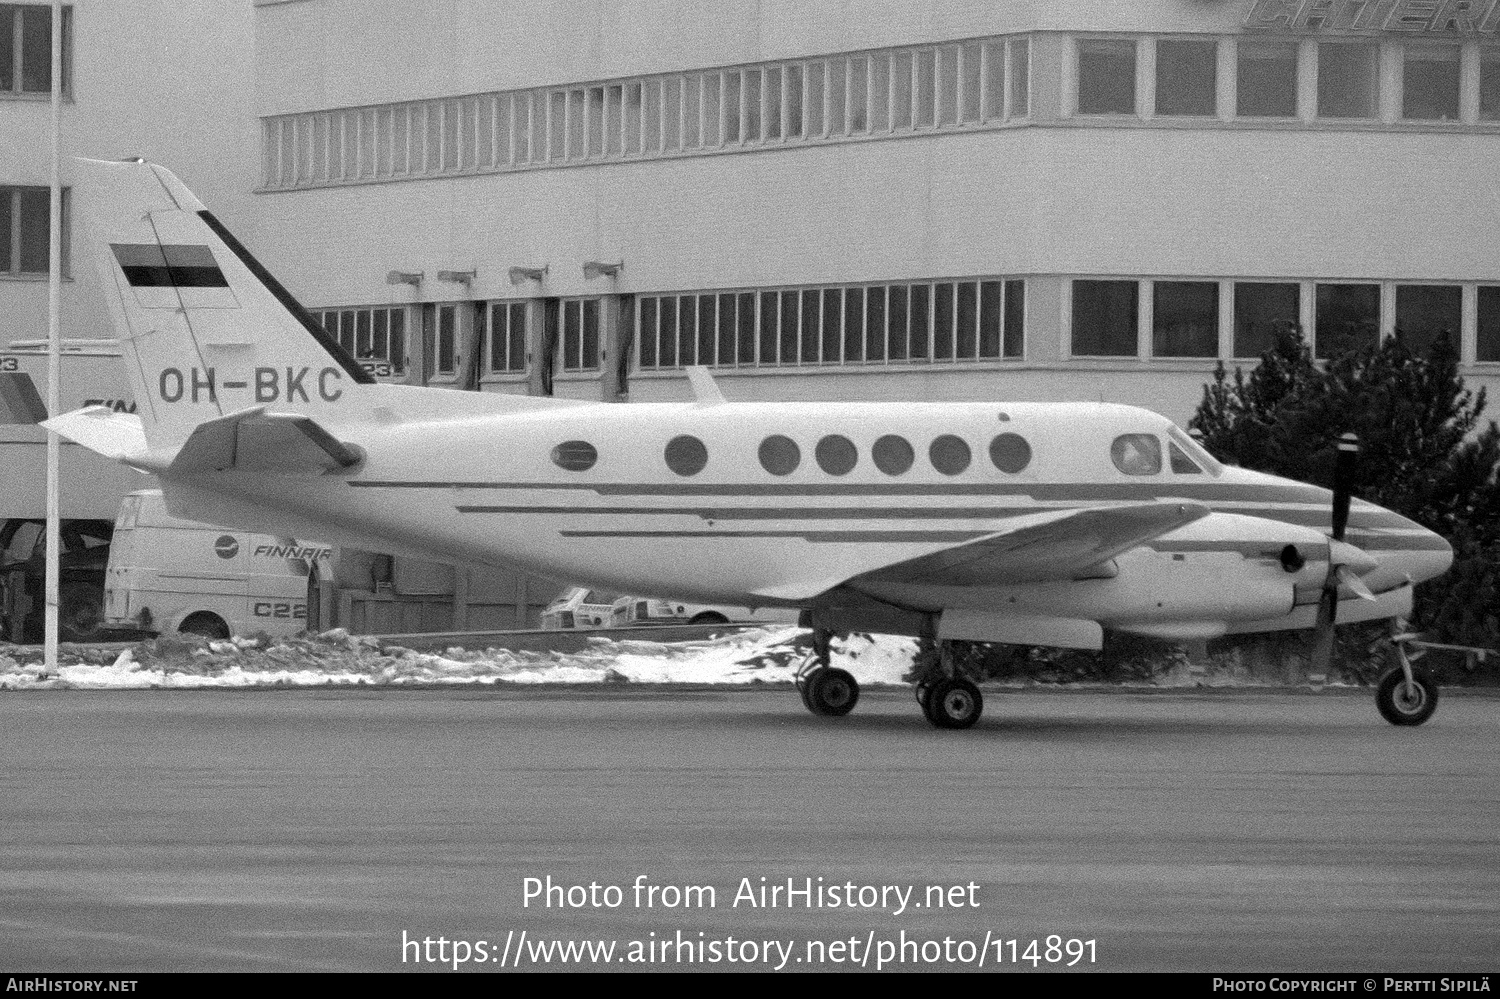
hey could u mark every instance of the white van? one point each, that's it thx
(167, 575)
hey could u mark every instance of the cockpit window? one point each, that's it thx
(1181, 463)
(1137, 454)
(1195, 451)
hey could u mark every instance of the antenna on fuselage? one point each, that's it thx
(705, 389)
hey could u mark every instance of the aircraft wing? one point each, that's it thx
(254, 440)
(1066, 548)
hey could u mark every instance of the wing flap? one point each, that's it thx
(1065, 548)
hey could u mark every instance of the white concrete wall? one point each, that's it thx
(168, 80)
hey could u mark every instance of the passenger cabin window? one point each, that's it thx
(686, 455)
(1137, 454)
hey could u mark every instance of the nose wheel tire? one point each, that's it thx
(829, 691)
(953, 702)
(1403, 703)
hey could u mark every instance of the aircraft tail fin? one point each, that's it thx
(205, 330)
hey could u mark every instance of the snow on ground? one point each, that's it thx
(336, 658)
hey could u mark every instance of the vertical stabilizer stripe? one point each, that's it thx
(313, 327)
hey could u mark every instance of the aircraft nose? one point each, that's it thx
(1401, 548)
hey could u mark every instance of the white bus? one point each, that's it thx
(168, 575)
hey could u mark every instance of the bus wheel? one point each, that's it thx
(205, 624)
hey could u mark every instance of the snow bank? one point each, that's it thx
(336, 658)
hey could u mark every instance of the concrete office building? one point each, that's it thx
(934, 200)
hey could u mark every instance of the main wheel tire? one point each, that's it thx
(953, 702)
(207, 625)
(1401, 703)
(831, 692)
(81, 612)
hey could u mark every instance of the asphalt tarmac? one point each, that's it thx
(395, 830)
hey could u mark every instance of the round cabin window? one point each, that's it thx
(949, 455)
(837, 455)
(780, 455)
(1010, 453)
(893, 455)
(686, 455)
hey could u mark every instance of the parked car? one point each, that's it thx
(23, 567)
(580, 607)
(652, 610)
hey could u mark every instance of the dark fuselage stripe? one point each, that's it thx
(1040, 491)
(817, 537)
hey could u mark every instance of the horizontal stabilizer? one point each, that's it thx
(115, 435)
(1065, 548)
(256, 441)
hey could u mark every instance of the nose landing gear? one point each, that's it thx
(1405, 695)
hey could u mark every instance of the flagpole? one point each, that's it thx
(54, 348)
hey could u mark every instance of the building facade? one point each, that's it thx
(163, 79)
(938, 200)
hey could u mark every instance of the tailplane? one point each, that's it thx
(205, 330)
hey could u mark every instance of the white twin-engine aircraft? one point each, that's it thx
(1030, 523)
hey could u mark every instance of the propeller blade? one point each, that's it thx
(1348, 578)
(1328, 612)
(1343, 483)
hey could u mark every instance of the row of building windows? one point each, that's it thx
(26, 230)
(1182, 318)
(836, 455)
(26, 49)
(1283, 78)
(931, 321)
(845, 324)
(885, 92)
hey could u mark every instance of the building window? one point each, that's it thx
(26, 49)
(1489, 86)
(1425, 312)
(1348, 79)
(447, 339)
(507, 337)
(1347, 318)
(1185, 319)
(580, 333)
(1488, 345)
(1187, 77)
(951, 321)
(376, 337)
(1106, 318)
(26, 231)
(1267, 74)
(1262, 309)
(1429, 89)
(1106, 77)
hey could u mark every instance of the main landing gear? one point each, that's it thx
(948, 699)
(826, 690)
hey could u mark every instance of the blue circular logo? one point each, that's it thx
(226, 546)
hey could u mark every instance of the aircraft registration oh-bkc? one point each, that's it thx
(1029, 523)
